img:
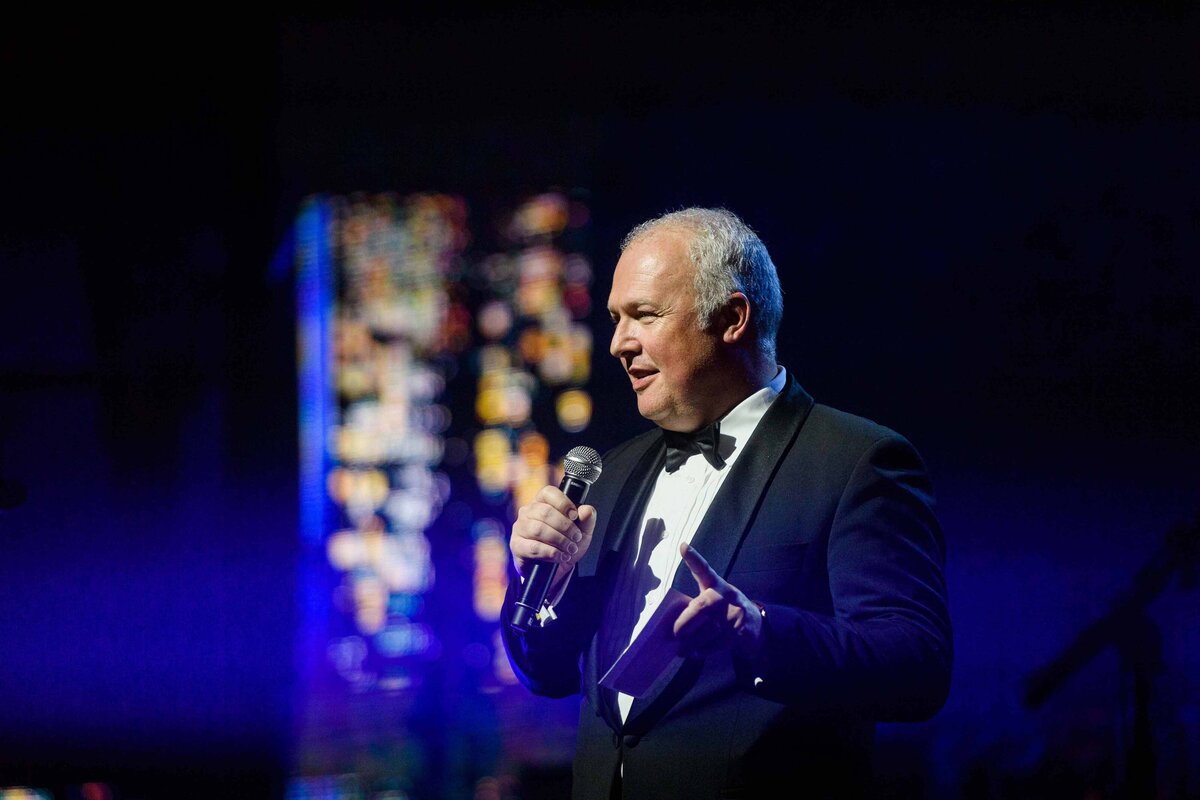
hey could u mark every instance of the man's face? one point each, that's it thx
(671, 362)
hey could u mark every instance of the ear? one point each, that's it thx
(735, 318)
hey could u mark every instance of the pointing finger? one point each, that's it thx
(701, 571)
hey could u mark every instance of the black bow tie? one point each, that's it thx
(682, 445)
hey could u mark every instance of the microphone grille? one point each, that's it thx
(582, 463)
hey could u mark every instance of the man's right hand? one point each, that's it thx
(551, 528)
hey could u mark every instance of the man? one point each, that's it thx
(804, 536)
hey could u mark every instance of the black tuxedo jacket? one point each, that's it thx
(827, 520)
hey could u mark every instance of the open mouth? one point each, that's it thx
(641, 378)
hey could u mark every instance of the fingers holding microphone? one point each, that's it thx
(552, 532)
(551, 528)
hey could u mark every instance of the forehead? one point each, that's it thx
(655, 267)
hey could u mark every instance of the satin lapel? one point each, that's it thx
(605, 556)
(625, 510)
(732, 510)
(727, 522)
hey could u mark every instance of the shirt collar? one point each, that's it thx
(742, 419)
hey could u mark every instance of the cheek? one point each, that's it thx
(663, 353)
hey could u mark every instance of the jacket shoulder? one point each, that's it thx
(852, 429)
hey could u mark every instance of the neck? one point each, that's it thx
(744, 376)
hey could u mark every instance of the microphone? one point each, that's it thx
(581, 467)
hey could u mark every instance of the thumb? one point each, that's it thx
(701, 571)
(586, 520)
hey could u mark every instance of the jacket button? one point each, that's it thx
(630, 740)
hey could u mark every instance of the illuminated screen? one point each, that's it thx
(444, 356)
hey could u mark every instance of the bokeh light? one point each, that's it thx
(398, 316)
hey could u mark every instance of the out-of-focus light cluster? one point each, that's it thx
(337, 787)
(386, 282)
(396, 320)
(83, 791)
(491, 566)
(535, 340)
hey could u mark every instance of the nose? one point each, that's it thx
(623, 342)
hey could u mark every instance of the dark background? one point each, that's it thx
(987, 223)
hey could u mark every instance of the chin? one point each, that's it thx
(666, 420)
(654, 413)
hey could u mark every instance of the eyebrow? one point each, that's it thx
(637, 303)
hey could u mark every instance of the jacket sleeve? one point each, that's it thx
(546, 659)
(886, 650)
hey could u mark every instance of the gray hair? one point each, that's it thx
(729, 257)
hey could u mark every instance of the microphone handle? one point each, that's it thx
(537, 579)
